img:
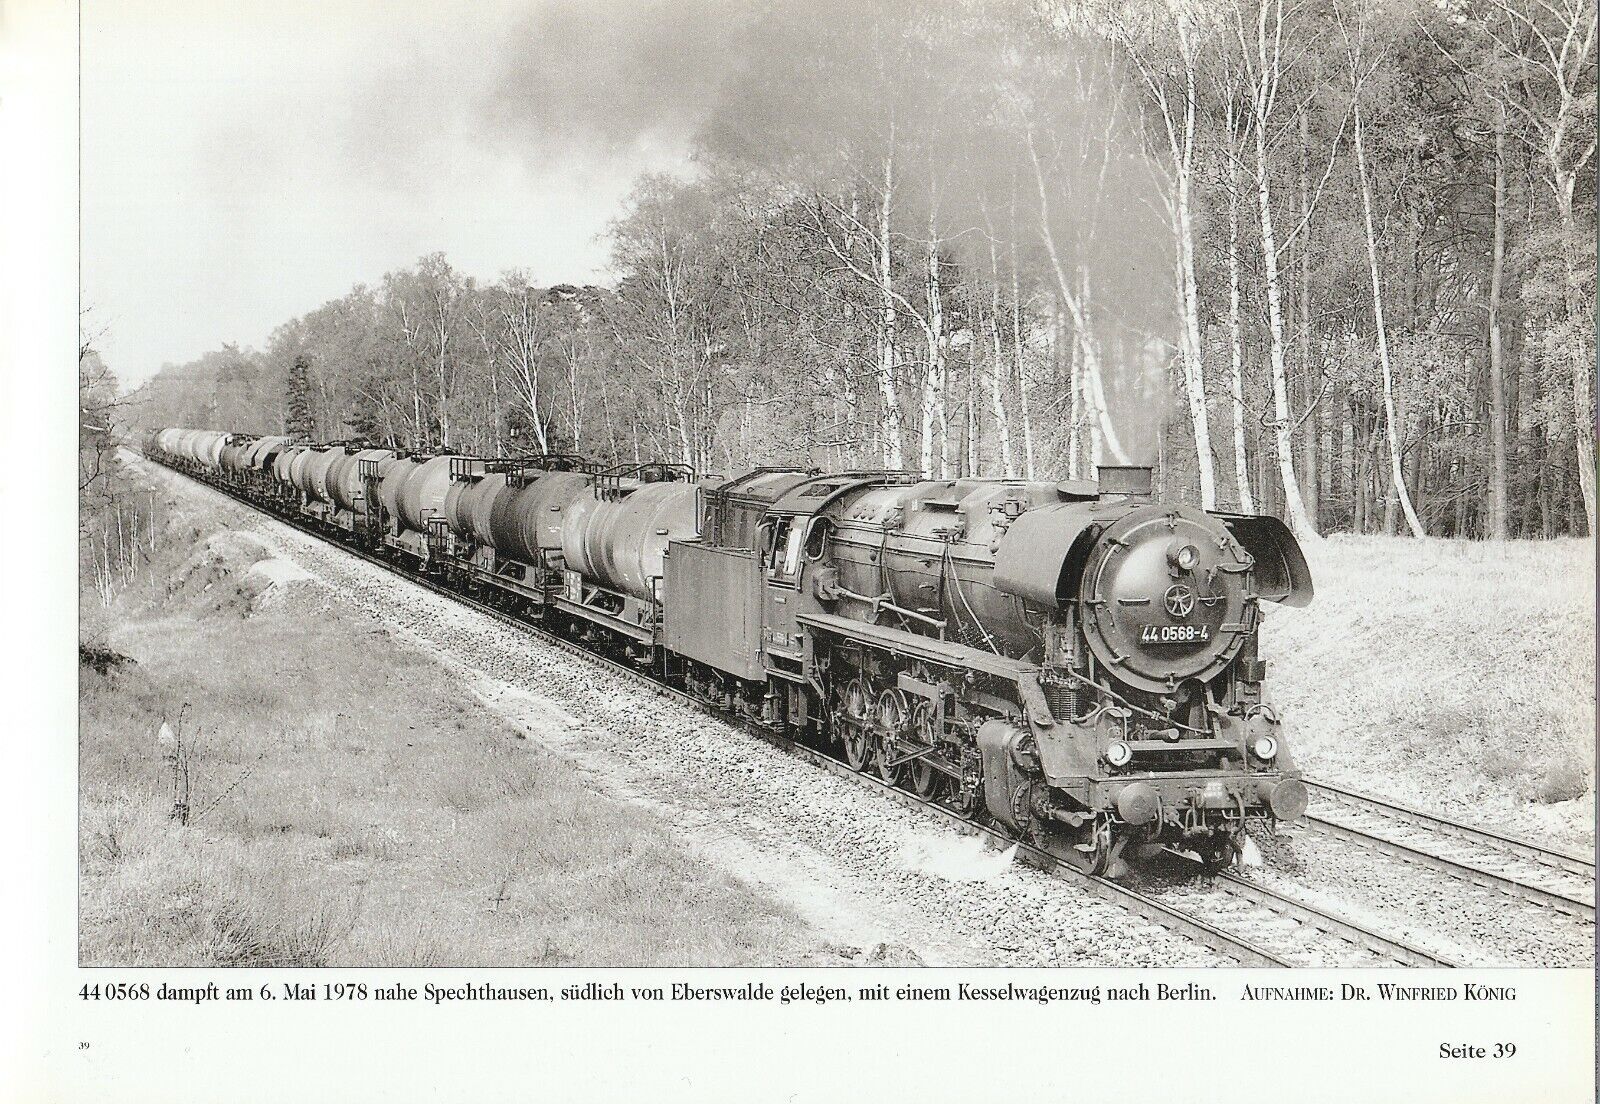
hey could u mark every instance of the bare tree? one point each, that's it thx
(1264, 71)
(1396, 475)
(1551, 42)
(1497, 384)
(1177, 108)
(1241, 462)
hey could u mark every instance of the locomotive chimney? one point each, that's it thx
(1124, 479)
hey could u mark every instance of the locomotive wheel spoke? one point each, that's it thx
(926, 782)
(853, 717)
(882, 756)
(857, 748)
(892, 717)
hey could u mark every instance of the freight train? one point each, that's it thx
(1072, 661)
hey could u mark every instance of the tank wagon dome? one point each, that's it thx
(233, 455)
(344, 464)
(211, 447)
(268, 456)
(281, 462)
(470, 485)
(393, 478)
(318, 469)
(478, 507)
(459, 525)
(523, 521)
(387, 463)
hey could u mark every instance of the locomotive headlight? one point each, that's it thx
(1264, 748)
(1118, 754)
(1185, 557)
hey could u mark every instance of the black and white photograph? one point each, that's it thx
(1034, 488)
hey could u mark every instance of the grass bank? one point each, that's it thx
(348, 804)
(1456, 675)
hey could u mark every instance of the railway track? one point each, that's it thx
(1249, 924)
(1554, 880)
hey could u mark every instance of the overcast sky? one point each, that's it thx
(246, 160)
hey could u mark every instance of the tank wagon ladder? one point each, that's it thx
(372, 521)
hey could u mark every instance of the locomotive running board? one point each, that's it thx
(919, 647)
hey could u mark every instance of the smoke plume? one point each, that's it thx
(1005, 135)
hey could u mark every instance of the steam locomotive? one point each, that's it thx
(1073, 661)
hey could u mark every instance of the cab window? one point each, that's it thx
(784, 548)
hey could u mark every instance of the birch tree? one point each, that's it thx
(1177, 108)
(1264, 72)
(1551, 44)
(1396, 475)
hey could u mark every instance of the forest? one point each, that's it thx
(1333, 261)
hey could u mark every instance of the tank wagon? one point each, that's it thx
(1074, 661)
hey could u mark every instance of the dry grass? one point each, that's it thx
(1454, 674)
(352, 806)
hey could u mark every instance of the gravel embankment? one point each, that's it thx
(887, 883)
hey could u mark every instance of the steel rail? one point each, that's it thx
(1479, 875)
(1467, 872)
(1394, 810)
(1238, 948)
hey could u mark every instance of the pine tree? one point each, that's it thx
(297, 421)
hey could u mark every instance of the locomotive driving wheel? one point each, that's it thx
(925, 780)
(854, 712)
(894, 712)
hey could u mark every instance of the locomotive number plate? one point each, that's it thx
(1174, 634)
